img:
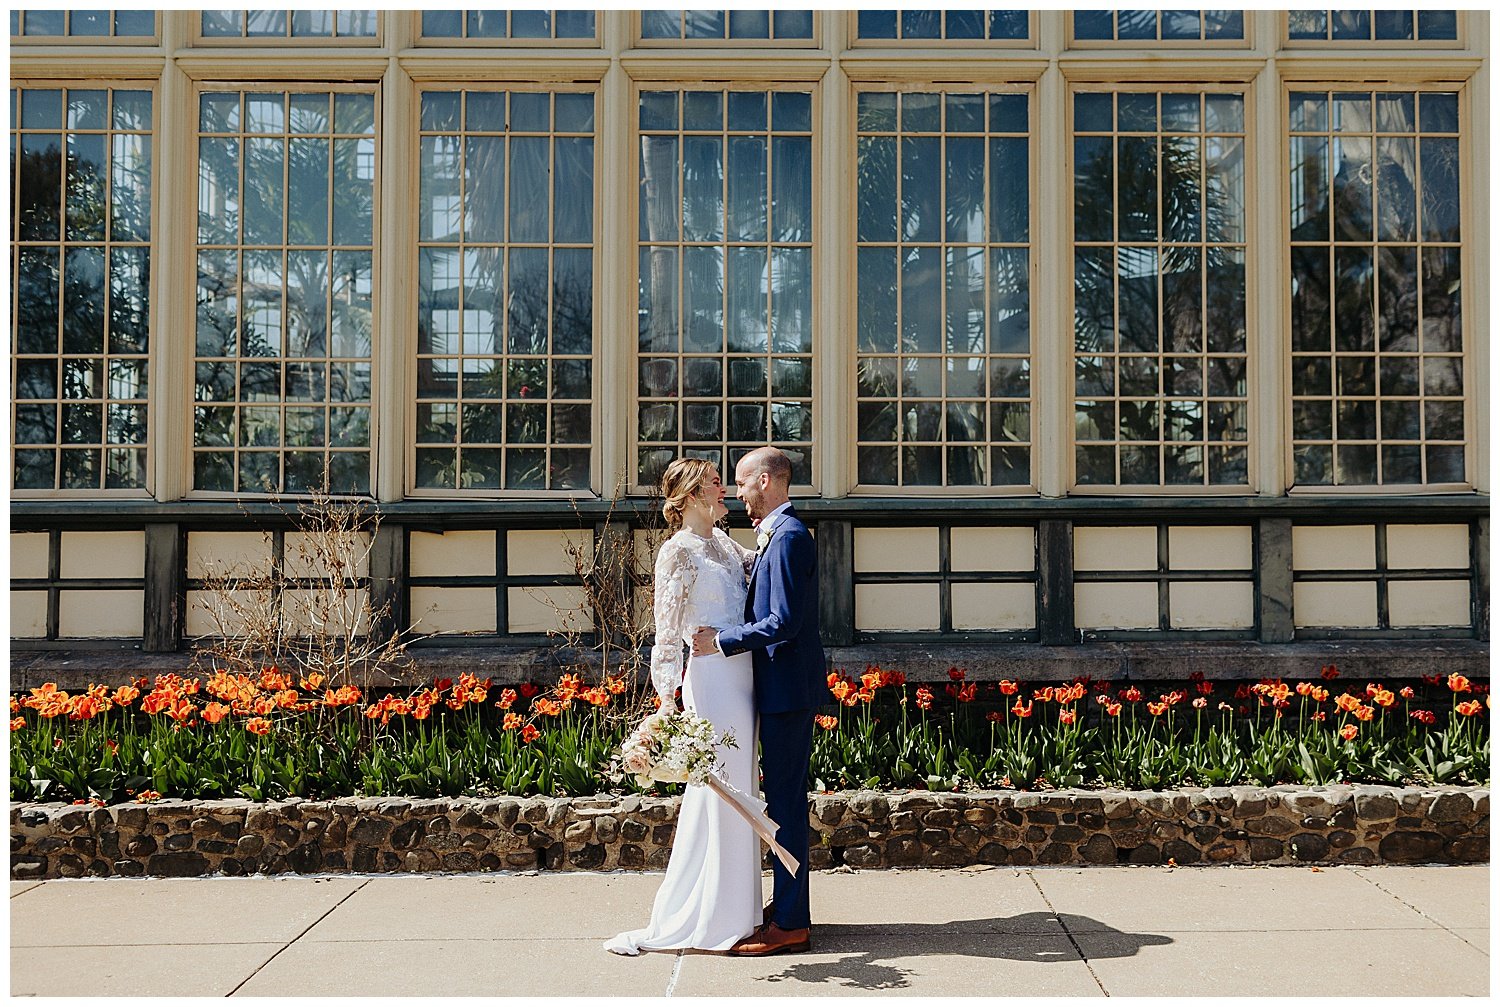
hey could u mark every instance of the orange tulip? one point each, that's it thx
(125, 695)
(1304, 688)
(16, 723)
(1113, 709)
(1021, 711)
(1365, 713)
(826, 722)
(286, 698)
(924, 697)
(215, 712)
(966, 694)
(258, 725)
(1457, 683)
(1066, 716)
(1042, 695)
(507, 698)
(841, 689)
(1347, 703)
(1348, 732)
(1204, 688)
(1131, 694)
(1156, 709)
(614, 684)
(529, 734)
(1319, 716)
(147, 796)
(1407, 692)
(870, 680)
(263, 705)
(1008, 688)
(421, 711)
(1319, 694)
(1384, 697)
(1470, 708)
(512, 721)
(956, 674)
(313, 682)
(1424, 717)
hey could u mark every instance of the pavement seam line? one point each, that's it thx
(294, 940)
(1067, 933)
(1436, 923)
(672, 979)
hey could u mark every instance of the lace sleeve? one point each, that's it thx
(745, 556)
(673, 581)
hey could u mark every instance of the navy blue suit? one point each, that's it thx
(791, 681)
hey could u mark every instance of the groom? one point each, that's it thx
(781, 631)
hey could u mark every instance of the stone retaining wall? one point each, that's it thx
(866, 829)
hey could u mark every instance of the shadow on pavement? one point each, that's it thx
(1030, 937)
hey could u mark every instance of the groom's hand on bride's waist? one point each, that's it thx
(706, 642)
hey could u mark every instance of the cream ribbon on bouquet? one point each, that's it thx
(679, 748)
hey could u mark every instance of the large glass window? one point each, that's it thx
(729, 25)
(944, 290)
(1158, 25)
(726, 300)
(1159, 288)
(499, 25)
(81, 231)
(286, 209)
(935, 24)
(289, 24)
(1376, 25)
(1377, 334)
(505, 330)
(83, 25)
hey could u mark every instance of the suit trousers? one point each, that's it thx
(785, 751)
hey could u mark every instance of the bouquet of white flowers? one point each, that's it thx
(679, 748)
(673, 748)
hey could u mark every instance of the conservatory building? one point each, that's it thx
(1117, 343)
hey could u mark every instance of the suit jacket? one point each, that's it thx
(781, 622)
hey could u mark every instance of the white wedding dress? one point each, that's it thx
(710, 897)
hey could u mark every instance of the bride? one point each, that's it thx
(710, 897)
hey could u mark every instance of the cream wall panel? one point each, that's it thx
(1427, 546)
(1334, 604)
(103, 554)
(1128, 548)
(233, 553)
(236, 608)
(992, 549)
(452, 554)
(296, 564)
(540, 609)
(1416, 603)
(83, 614)
(28, 614)
(1335, 547)
(1212, 605)
(543, 552)
(896, 550)
(645, 545)
(28, 553)
(1123, 605)
(453, 609)
(319, 612)
(896, 607)
(1220, 548)
(994, 606)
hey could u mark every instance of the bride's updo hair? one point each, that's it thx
(683, 478)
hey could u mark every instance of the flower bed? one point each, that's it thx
(273, 736)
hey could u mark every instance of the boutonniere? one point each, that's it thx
(762, 539)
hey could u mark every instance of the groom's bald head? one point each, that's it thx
(761, 480)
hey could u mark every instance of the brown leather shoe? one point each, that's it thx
(772, 940)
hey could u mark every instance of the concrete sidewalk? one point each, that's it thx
(1128, 931)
